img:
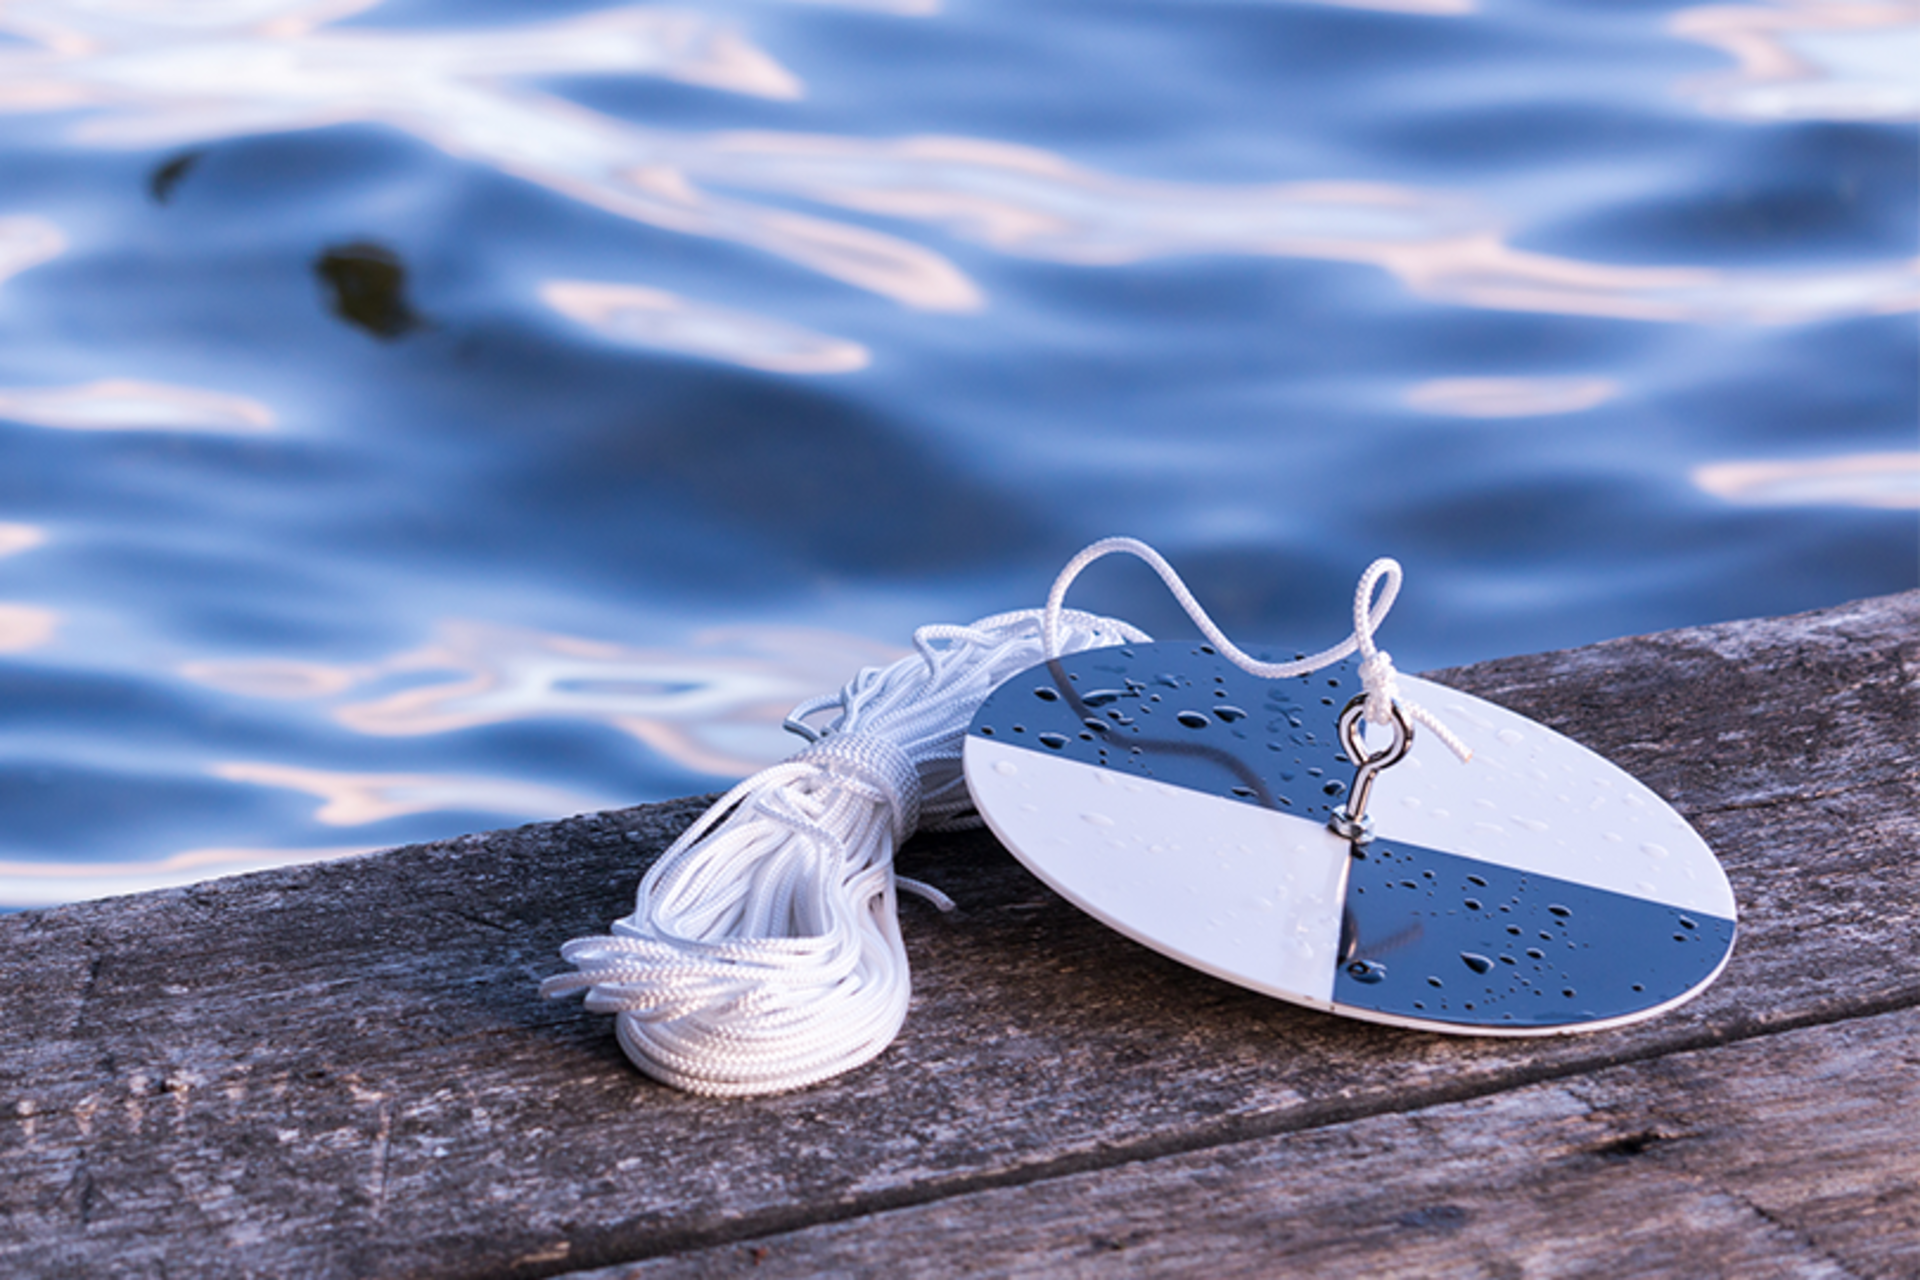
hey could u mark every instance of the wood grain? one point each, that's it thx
(1788, 1155)
(345, 1069)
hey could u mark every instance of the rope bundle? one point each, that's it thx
(764, 949)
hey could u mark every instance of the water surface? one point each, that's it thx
(419, 417)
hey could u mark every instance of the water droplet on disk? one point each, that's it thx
(1054, 740)
(1477, 963)
(1230, 714)
(1005, 767)
(1096, 819)
(1192, 719)
(1368, 971)
(1046, 694)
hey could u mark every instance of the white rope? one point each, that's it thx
(1377, 676)
(764, 951)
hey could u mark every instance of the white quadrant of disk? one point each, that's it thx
(1210, 881)
(1537, 801)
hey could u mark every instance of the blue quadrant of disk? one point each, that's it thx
(1434, 935)
(1183, 715)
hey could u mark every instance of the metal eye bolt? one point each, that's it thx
(1349, 820)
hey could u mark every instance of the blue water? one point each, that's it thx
(422, 417)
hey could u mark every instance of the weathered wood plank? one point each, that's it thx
(344, 1069)
(1791, 1155)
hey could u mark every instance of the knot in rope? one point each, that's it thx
(870, 760)
(1382, 684)
(1377, 676)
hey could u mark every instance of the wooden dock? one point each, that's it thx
(345, 1069)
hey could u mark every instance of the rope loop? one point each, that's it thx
(1377, 676)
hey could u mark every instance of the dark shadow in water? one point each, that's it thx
(368, 284)
(816, 478)
(165, 178)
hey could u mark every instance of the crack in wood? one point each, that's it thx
(1841, 1271)
(1632, 1144)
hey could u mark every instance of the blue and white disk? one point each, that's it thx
(1538, 890)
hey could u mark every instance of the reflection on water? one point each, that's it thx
(1511, 397)
(25, 626)
(900, 8)
(149, 79)
(1485, 273)
(1433, 8)
(15, 538)
(275, 56)
(352, 799)
(45, 884)
(1885, 480)
(714, 707)
(1029, 202)
(1811, 59)
(120, 404)
(27, 241)
(269, 678)
(656, 319)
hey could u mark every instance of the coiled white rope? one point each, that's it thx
(764, 951)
